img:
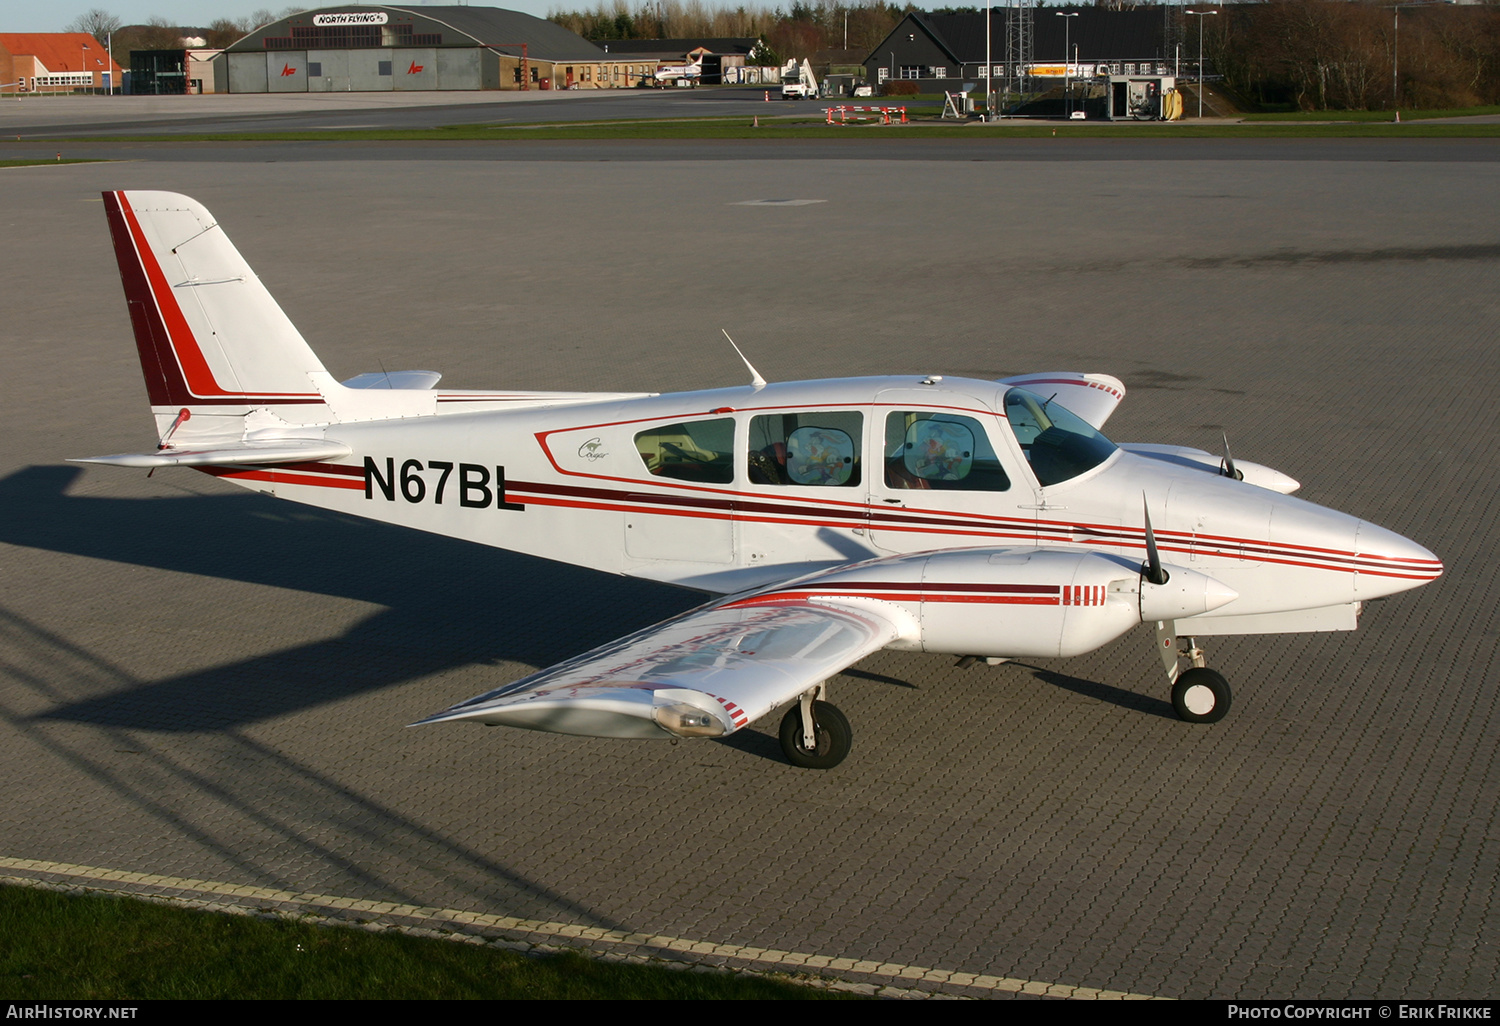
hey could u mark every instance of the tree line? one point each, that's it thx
(804, 31)
(160, 34)
(1341, 55)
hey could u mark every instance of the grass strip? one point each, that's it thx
(41, 162)
(57, 946)
(740, 128)
(1369, 115)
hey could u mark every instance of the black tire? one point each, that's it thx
(830, 727)
(1201, 695)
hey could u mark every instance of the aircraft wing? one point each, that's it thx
(706, 673)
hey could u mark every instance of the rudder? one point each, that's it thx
(210, 337)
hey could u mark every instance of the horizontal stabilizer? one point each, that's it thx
(394, 379)
(285, 450)
(706, 673)
(1091, 396)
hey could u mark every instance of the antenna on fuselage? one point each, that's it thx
(755, 378)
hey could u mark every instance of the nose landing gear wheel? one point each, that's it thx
(1201, 695)
(830, 729)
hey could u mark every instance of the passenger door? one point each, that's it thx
(944, 473)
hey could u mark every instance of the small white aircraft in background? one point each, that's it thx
(982, 519)
(684, 73)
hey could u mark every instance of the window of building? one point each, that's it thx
(384, 69)
(818, 449)
(881, 74)
(939, 72)
(911, 71)
(940, 451)
(698, 450)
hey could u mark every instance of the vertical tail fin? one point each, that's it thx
(211, 338)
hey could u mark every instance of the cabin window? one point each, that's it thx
(940, 451)
(1058, 443)
(816, 449)
(698, 450)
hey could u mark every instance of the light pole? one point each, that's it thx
(1396, 43)
(1200, 15)
(1067, 95)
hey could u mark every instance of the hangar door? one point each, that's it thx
(247, 72)
(416, 68)
(458, 68)
(327, 71)
(286, 71)
(369, 70)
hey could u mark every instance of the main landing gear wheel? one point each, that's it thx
(1201, 695)
(830, 729)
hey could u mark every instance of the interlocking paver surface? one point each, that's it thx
(203, 683)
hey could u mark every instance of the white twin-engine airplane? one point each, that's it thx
(982, 519)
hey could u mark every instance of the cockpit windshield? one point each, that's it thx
(1059, 444)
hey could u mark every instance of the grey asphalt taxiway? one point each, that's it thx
(203, 691)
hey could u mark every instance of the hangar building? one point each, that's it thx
(379, 47)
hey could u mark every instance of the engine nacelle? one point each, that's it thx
(1010, 602)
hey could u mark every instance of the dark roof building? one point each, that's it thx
(935, 49)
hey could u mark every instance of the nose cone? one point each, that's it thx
(1389, 563)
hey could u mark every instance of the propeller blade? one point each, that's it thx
(1229, 470)
(1152, 570)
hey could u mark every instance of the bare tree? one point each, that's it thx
(223, 31)
(160, 34)
(96, 22)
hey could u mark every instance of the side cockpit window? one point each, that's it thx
(1059, 444)
(940, 451)
(697, 450)
(813, 449)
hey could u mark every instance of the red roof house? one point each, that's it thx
(53, 61)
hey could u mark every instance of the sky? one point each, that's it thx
(53, 16)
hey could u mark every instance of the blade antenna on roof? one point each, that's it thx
(755, 378)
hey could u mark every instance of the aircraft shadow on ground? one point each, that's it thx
(449, 603)
(1102, 692)
(261, 815)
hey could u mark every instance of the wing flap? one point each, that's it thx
(286, 450)
(706, 673)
